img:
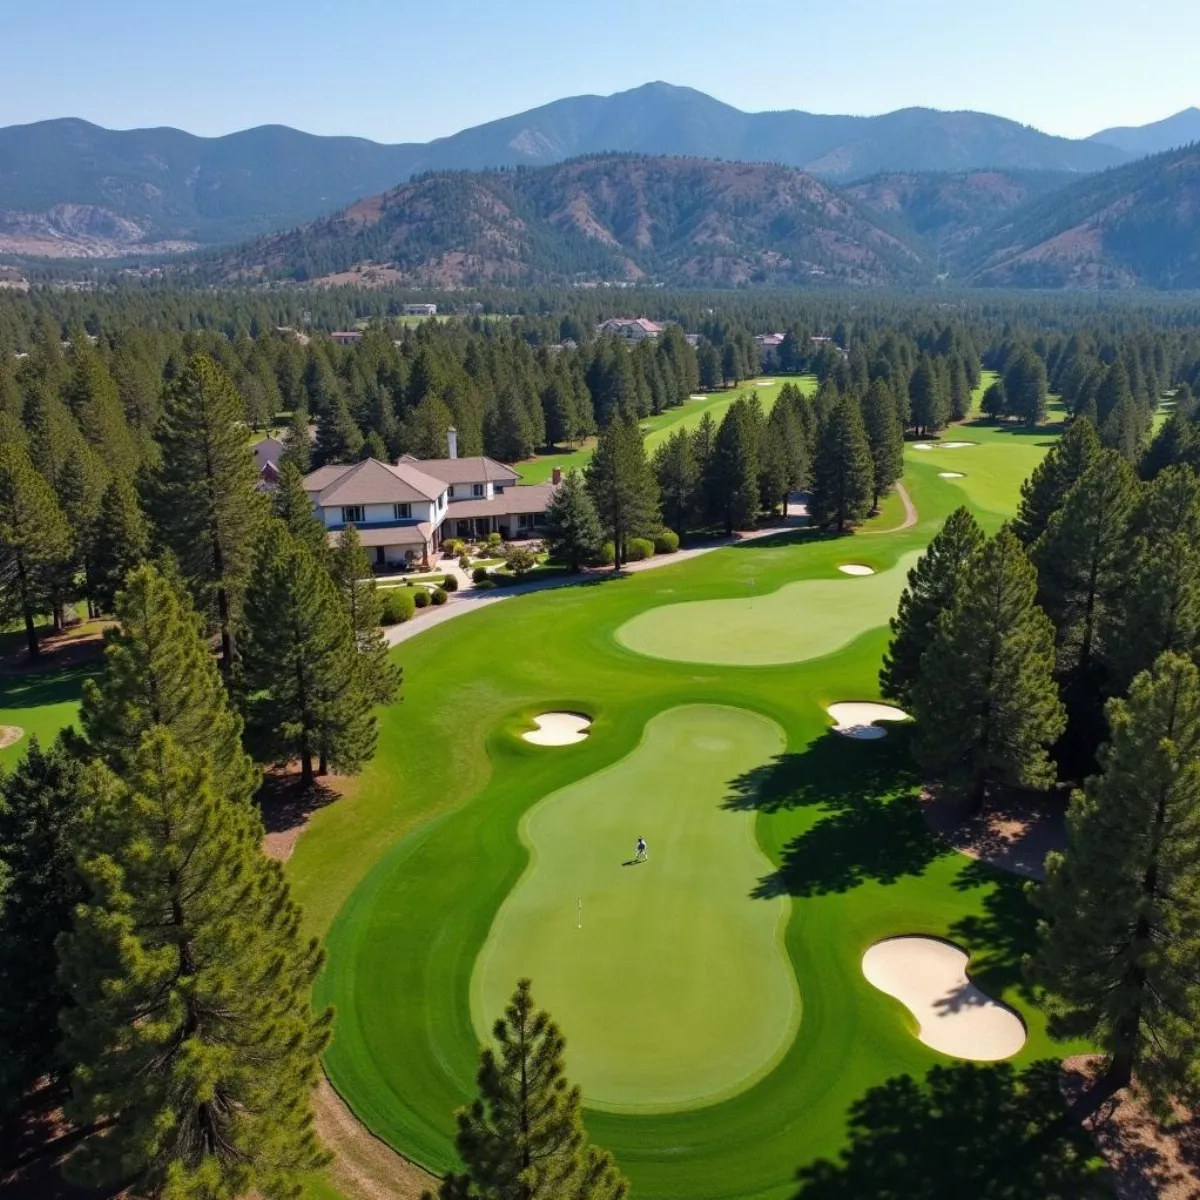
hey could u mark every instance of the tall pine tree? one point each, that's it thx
(120, 541)
(843, 483)
(622, 486)
(1043, 493)
(885, 436)
(573, 532)
(351, 571)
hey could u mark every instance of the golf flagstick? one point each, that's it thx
(580, 911)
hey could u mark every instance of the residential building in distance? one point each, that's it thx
(420, 310)
(632, 329)
(267, 454)
(346, 337)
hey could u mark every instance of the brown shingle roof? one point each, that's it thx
(371, 482)
(469, 470)
(531, 498)
(417, 535)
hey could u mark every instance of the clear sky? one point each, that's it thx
(411, 70)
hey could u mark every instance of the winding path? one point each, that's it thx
(910, 514)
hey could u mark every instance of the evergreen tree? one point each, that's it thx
(1044, 492)
(35, 543)
(339, 439)
(190, 1024)
(84, 481)
(204, 504)
(1120, 937)
(305, 686)
(351, 571)
(1082, 559)
(1124, 428)
(995, 401)
(120, 542)
(159, 673)
(297, 442)
(1113, 392)
(622, 486)
(678, 476)
(960, 391)
(708, 359)
(1174, 443)
(424, 433)
(1025, 387)
(932, 585)
(40, 814)
(293, 507)
(930, 404)
(573, 531)
(523, 1138)
(985, 701)
(843, 483)
(885, 438)
(784, 461)
(733, 470)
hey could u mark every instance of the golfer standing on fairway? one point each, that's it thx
(641, 853)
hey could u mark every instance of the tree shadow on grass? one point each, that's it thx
(1001, 937)
(871, 830)
(966, 1132)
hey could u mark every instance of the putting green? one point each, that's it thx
(645, 963)
(802, 620)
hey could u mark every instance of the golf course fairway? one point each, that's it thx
(607, 939)
(806, 619)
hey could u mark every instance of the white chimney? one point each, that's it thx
(452, 441)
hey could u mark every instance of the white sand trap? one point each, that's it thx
(854, 718)
(929, 977)
(10, 735)
(764, 383)
(558, 729)
(922, 445)
(951, 474)
(955, 445)
(856, 569)
(695, 396)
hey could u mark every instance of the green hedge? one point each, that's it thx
(398, 606)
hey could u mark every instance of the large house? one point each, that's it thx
(404, 511)
(632, 329)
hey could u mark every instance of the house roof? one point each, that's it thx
(371, 482)
(468, 470)
(417, 535)
(267, 451)
(529, 498)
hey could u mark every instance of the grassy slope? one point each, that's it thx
(415, 866)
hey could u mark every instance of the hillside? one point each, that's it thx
(1179, 130)
(1133, 226)
(948, 212)
(672, 220)
(68, 187)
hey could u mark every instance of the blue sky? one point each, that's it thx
(410, 70)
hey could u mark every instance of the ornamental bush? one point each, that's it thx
(439, 596)
(397, 607)
(421, 597)
(450, 583)
(666, 542)
(480, 574)
(638, 548)
(608, 555)
(494, 539)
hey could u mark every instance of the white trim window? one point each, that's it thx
(353, 514)
(401, 512)
(477, 489)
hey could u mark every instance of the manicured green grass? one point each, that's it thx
(39, 702)
(405, 878)
(644, 962)
(805, 619)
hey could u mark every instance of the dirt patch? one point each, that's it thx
(73, 647)
(1148, 1160)
(10, 735)
(1012, 833)
(364, 1167)
(286, 807)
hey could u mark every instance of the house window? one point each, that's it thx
(525, 521)
(450, 491)
(498, 488)
(352, 514)
(477, 489)
(401, 512)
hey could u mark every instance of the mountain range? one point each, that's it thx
(70, 188)
(701, 222)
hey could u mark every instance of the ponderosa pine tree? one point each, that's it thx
(1174, 443)
(1120, 937)
(204, 506)
(190, 1027)
(351, 572)
(783, 456)
(995, 401)
(291, 504)
(523, 1138)
(339, 439)
(573, 531)
(1043, 493)
(843, 478)
(35, 543)
(960, 391)
(932, 585)
(159, 673)
(297, 442)
(885, 438)
(622, 485)
(1083, 559)
(120, 542)
(1124, 429)
(1025, 387)
(306, 694)
(41, 805)
(929, 401)
(985, 701)
(733, 470)
(84, 479)
(678, 476)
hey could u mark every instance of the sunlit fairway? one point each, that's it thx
(805, 619)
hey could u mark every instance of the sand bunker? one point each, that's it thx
(856, 569)
(955, 445)
(922, 445)
(929, 977)
(10, 735)
(697, 396)
(855, 718)
(950, 474)
(558, 729)
(764, 383)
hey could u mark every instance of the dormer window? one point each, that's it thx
(352, 514)
(450, 492)
(477, 489)
(401, 512)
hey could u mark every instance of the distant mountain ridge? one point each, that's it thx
(68, 187)
(1169, 134)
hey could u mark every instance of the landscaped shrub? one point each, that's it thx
(608, 555)
(464, 562)
(520, 560)
(480, 574)
(485, 585)
(450, 583)
(638, 548)
(397, 607)
(420, 597)
(439, 596)
(452, 547)
(494, 539)
(666, 542)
